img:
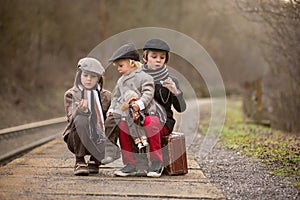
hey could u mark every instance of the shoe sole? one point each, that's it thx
(122, 174)
(81, 173)
(154, 174)
(93, 171)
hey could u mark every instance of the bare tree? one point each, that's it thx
(281, 20)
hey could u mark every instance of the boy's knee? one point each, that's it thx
(81, 120)
(151, 119)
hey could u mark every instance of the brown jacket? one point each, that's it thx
(74, 95)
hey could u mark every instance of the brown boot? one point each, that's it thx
(93, 167)
(81, 169)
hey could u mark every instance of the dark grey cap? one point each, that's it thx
(156, 44)
(126, 51)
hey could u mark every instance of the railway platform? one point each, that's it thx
(46, 172)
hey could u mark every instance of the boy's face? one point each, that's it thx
(124, 65)
(89, 79)
(156, 59)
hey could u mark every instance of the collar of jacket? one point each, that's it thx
(132, 73)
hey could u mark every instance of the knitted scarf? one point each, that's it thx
(158, 74)
(96, 120)
(96, 117)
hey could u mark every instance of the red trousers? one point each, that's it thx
(154, 130)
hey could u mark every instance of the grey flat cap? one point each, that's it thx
(91, 65)
(157, 44)
(126, 51)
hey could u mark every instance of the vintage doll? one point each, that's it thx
(134, 119)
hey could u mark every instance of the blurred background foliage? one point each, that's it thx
(255, 45)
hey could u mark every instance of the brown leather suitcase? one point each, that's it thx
(174, 154)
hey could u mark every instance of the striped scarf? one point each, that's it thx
(96, 119)
(158, 74)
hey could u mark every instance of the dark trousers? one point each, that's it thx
(80, 143)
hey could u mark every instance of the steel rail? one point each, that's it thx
(27, 129)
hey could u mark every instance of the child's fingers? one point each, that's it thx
(135, 107)
(84, 103)
(109, 114)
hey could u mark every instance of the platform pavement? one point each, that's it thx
(47, 173)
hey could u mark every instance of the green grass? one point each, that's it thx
(279, 150)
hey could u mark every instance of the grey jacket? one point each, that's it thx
(141, 83)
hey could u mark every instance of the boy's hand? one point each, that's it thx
(135, 107)
(109, 114)
(83, 105)
(170, 85)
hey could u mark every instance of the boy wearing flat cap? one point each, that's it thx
(133, 78)
(86, 104)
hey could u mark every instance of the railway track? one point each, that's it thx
(18, 140)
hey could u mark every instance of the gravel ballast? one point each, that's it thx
(240, 177)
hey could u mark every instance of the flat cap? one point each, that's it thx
(127, 51)
(156, 44)
(91, 65)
